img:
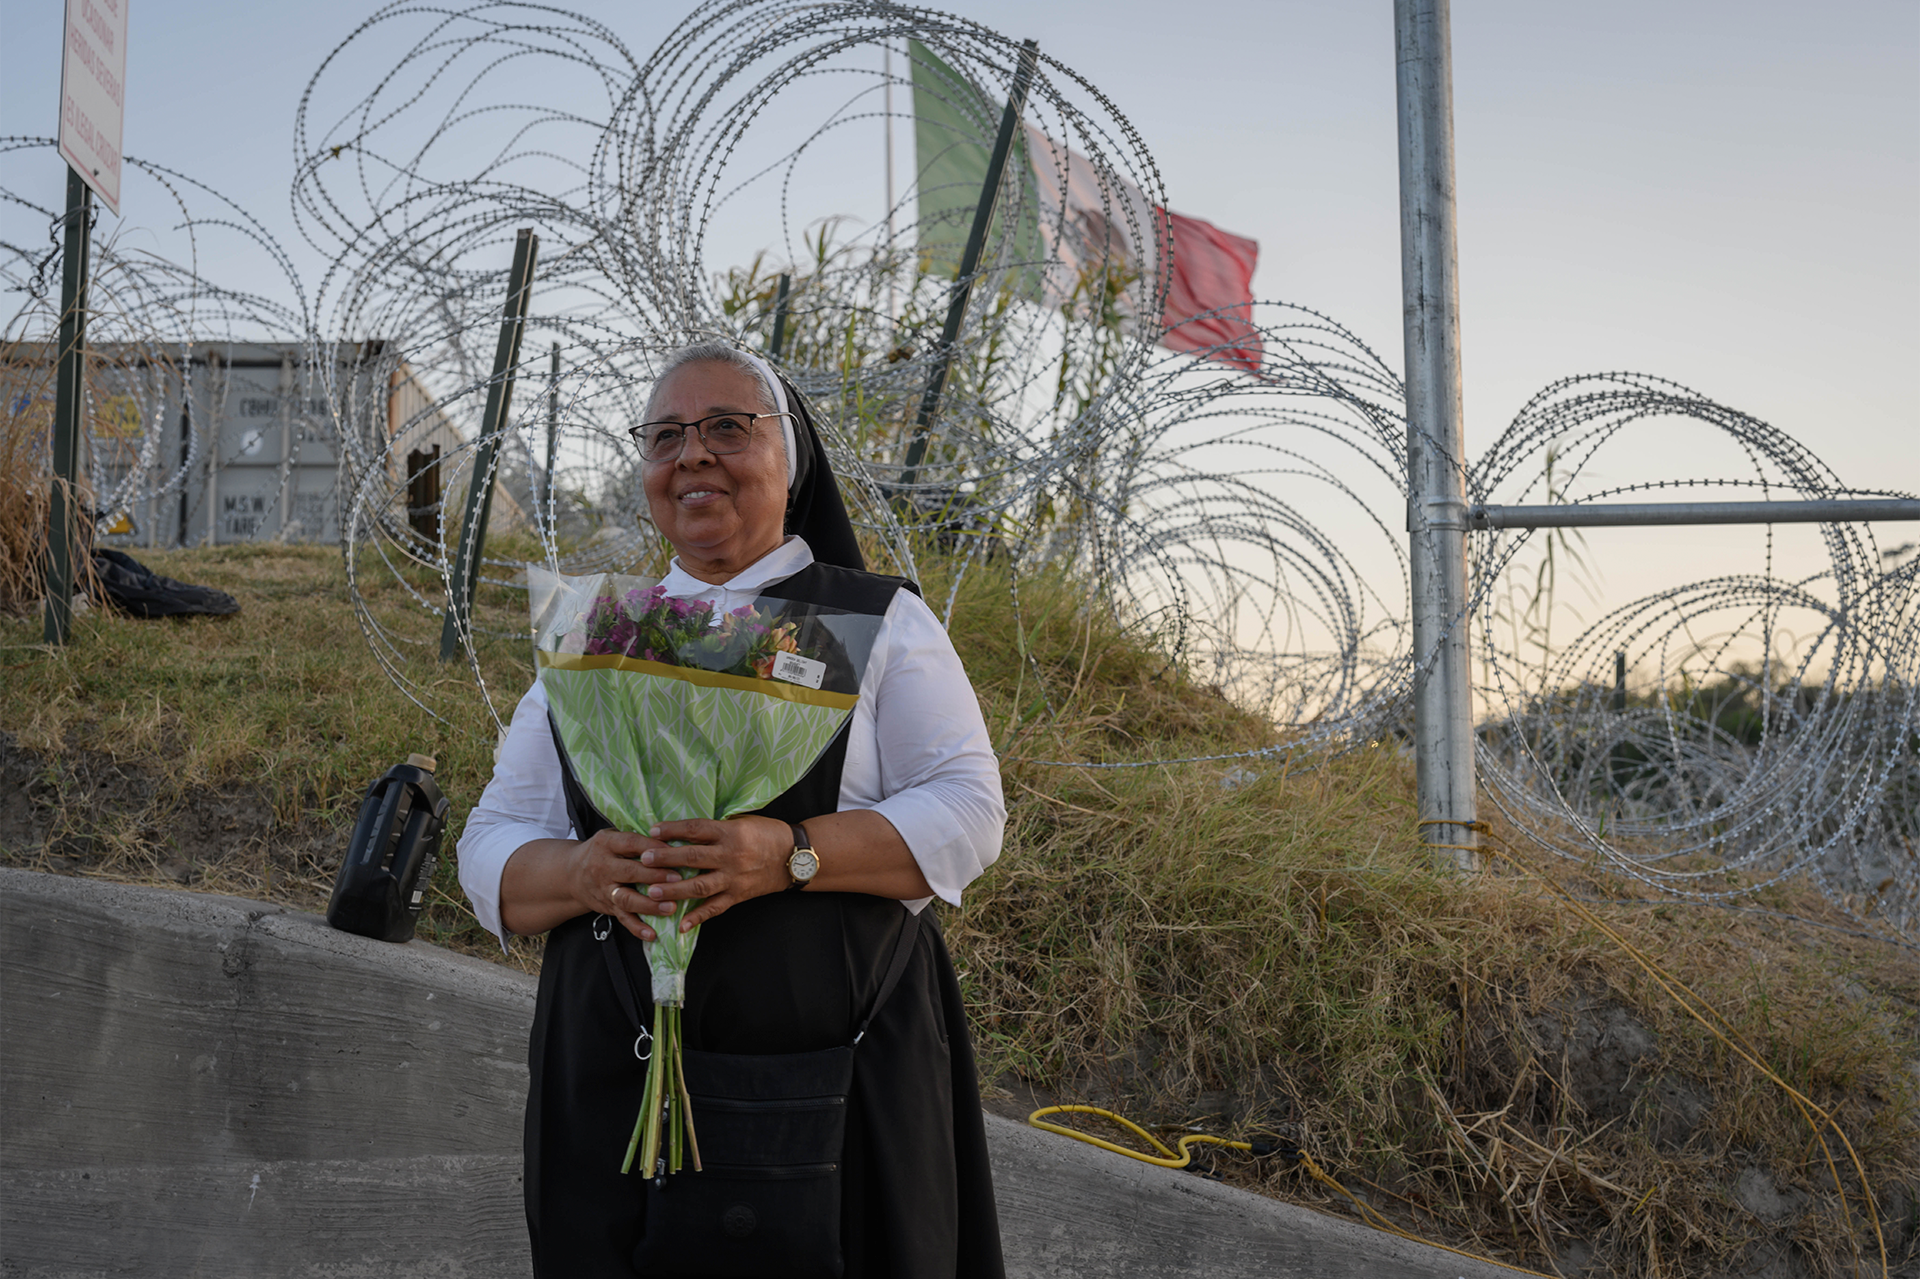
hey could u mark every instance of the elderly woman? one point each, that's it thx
(904, 806)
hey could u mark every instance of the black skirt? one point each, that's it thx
(785, 973)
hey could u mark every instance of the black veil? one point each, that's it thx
(814, 509)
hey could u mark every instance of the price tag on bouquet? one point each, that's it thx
(795, 669)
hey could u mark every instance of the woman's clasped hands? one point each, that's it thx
(636, 878)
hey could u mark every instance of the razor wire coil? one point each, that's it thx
(1247, 519)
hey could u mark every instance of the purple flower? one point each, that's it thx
(622, 636)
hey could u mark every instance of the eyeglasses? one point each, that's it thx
(721, 434)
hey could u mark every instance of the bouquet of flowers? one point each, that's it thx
(670, 709)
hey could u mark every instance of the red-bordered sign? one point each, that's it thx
(93, 77)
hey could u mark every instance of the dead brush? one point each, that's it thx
(1172, 942)
(26, 422)
(26, 477)
(1546, 1185)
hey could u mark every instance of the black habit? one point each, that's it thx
(784, 973)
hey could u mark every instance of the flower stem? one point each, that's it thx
(646, 1099)
(675, 1142)
(650, 1147)
(686, 1100)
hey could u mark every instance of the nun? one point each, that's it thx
(809, 908)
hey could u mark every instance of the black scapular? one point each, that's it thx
(772, 1132)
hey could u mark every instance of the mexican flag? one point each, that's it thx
(1072, 216)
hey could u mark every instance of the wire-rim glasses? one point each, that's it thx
(720, 434)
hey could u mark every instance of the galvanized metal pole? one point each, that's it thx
(893, 297)
(473, 529)
(1838, 510)
(970, 260)
(69, 393)
(1436, 476)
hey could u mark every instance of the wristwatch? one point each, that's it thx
(803, 863)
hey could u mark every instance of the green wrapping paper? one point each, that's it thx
(671, 709)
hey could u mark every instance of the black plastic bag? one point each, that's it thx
(133, 588)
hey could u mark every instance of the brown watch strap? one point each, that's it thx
(800, 841)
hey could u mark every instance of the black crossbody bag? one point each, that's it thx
(772, 1130)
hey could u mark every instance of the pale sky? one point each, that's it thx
(1725, 194)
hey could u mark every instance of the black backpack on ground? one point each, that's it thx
(133, 588)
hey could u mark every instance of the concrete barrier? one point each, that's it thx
(205, 1086)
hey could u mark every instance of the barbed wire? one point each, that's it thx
(161, 332)
(1773, 723)
(1710, 739)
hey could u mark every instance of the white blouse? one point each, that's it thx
(917, 752)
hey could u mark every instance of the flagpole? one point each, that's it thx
(969, 263)
(893, 308)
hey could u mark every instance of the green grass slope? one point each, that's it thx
(1257, 949)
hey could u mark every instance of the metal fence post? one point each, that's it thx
(69, 396)
(288, 384)
(780, 318)
(219, 387)
(553, 441)
(473, 529)
(1436, 477)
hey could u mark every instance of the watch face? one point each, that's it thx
(803, 865)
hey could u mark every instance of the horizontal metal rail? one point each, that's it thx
(1631, 514)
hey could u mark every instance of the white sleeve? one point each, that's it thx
(918, 753)
(524, 802)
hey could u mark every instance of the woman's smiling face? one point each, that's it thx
(720, 513)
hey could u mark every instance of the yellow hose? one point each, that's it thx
(1168, 1158)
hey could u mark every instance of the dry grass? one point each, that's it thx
(1275, 954)
(229, 752)
(26, 472)
(26, 419)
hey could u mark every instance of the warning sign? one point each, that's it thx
(93, 76)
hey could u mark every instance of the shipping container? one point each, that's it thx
(226, 443)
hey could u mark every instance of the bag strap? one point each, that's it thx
(902, 952)
(622, 983)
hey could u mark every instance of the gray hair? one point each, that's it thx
(712, 351)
